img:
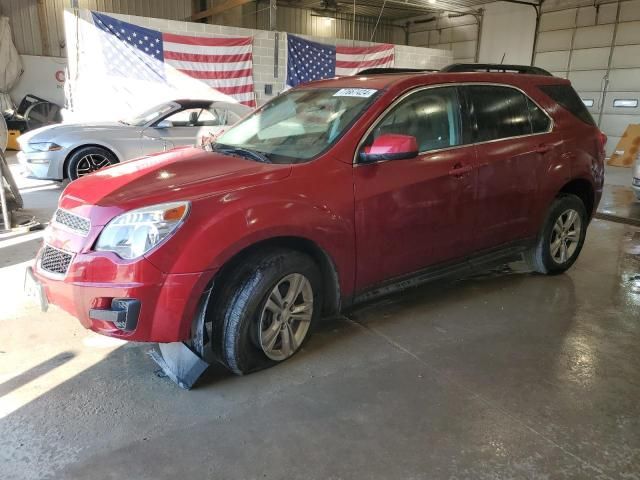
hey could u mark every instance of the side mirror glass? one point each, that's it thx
(163, 124)
(390, 146)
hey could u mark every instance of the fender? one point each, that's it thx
(230, 222)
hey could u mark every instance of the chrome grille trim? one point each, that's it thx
(73, 222)
(54, 261)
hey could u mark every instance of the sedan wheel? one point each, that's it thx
(90, 163)
(286, 317)
(86, 160)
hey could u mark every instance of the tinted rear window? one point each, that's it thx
(500, 112)
(566, 96)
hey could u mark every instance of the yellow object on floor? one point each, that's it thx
(12, 142)
(627, 148)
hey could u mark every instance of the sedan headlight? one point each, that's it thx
(44, 147)
(134, 233)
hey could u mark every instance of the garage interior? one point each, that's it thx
(505, 374)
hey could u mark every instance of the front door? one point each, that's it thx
(414, 213)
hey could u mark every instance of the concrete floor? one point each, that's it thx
(503, 375)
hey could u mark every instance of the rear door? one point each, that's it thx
(513, 142)
(416, 212)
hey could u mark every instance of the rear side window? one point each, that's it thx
(498, 112)
(567, 97)
(540, 122)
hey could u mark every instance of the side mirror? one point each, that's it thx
(163, 124)
(390, 146)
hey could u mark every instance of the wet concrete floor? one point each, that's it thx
(503, 375)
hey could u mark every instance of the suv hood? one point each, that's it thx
(181, 174)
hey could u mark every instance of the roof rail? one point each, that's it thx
(495, 67)
(378, 70)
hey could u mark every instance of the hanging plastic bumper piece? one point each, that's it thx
(183, 363)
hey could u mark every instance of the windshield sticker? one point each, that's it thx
(355, 92)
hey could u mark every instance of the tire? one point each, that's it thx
(548, 256)
(243, 310)
(87, 160)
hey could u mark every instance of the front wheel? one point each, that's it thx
(560, 241)
(265, 310)
(88, 160)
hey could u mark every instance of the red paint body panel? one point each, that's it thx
(374, 221)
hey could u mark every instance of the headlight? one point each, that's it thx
(44, 147)
(134, 233)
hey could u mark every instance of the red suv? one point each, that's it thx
(332, 193)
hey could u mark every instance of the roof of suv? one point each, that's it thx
(384, 81)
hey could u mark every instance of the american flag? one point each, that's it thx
(223, 63)
(308, 61)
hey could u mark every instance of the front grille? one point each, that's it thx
(55, 261)
(72, 221)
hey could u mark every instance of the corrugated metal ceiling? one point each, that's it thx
(393, 9)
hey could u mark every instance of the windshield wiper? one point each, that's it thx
(123, 122)
(245, 152)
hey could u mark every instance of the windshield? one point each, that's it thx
(300, 124)
(150, 115)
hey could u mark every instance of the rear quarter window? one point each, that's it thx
(567, 97)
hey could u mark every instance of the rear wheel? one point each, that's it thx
(88, 160)
(562, 236)
(265, 310)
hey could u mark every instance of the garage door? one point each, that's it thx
(584, 45)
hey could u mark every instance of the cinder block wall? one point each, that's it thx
(264, 49)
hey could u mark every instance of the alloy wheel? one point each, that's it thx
(91, 163)
(286, 317)
(565, 236)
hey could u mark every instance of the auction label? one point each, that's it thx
(355, 92)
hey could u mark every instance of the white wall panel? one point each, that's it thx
(596, 36)
(628, 33)
(558, 20)
(556, 61)
(627, 79)
(625, 56)
(586, 16)
(554, 40)
(630, 11)
(589, 80)
(589, 59)
(607, 13)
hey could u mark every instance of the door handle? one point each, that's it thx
(543, 148)
(459, 170)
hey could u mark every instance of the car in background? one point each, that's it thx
(333, 193)
(57, 152)
(635, 182)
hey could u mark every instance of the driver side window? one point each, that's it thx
(185, 118)
(432, 116)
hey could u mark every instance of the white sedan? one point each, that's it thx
(56, 152)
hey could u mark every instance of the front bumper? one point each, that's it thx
(167, 302)
(43, 165)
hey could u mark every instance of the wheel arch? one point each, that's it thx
(85, 145)
(327, 266)
(583, 189)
